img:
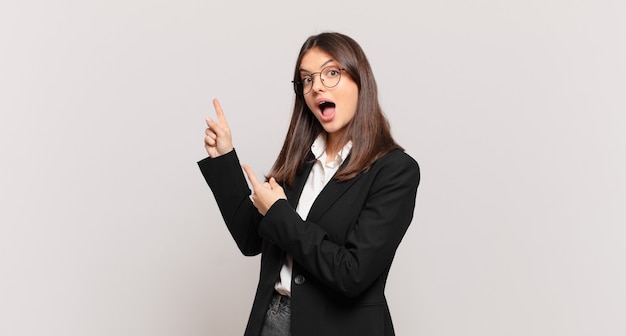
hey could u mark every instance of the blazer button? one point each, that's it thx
(299, 280)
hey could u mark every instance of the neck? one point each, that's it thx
(333, 146)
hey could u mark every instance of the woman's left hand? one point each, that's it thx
(264, 195)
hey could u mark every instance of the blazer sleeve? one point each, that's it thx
(228, 184)
(368, 251)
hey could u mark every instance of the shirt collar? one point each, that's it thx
(319, 149)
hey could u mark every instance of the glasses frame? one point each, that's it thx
(299, 83)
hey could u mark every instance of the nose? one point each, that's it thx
(317, 83)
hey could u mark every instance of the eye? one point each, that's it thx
(307, 80)
(332, 72)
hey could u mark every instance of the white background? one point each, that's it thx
(515, 111)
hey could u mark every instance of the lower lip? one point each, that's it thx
(328, 115)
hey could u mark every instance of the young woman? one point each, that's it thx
(337, 203)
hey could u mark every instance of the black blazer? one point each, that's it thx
(341, 253)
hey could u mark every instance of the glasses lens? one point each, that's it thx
(330, 76)
(303, 86)
(307, 84)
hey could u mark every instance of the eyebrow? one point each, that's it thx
(323, 65)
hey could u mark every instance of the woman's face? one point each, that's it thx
(334, 107)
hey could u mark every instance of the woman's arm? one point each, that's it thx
(224, 176)
(222, 172)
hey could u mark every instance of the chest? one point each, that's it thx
(337, 207)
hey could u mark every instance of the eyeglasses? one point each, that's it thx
(329, 77)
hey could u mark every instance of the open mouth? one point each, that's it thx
(326, 106)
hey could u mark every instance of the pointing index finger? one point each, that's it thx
(218, 111)
(250, 174)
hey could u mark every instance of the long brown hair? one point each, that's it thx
(369, 129)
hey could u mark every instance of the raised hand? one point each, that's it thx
(264, 195)
(218, 140)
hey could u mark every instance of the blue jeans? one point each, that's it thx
(278, 317)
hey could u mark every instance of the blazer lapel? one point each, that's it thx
(293, 194)
(326, 198)
(329, 194)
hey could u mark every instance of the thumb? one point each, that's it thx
(273, 183)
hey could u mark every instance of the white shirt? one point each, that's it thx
(321, 173)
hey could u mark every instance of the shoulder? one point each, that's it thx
(397, 158)
(397, 164)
